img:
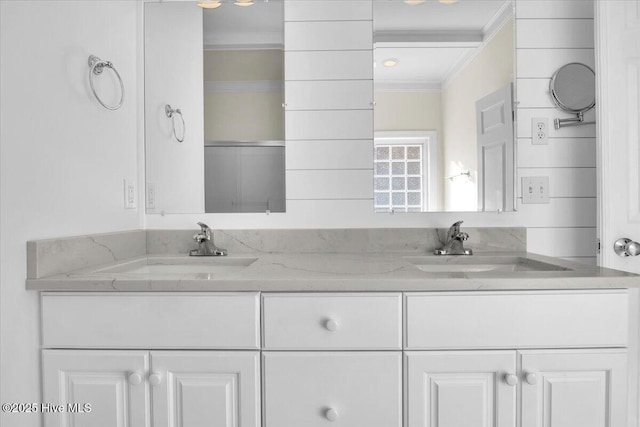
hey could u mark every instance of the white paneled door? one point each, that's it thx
(494, 121)
(461, 388)
(618, 73)
(570, 388)
(205, 388)
(111, 382)
(618, 124)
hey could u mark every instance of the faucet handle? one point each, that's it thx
(462, 236)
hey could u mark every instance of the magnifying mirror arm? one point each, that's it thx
(578, 121)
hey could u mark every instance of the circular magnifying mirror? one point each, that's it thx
(573, 88)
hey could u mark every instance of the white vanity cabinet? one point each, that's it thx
(170, 388)
(560, 354)
(333, 384)
(556, 388)
(556, 358)
(197, 379)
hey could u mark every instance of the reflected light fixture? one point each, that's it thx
(209, 4)
(413, 2)
(448, 1)
(244, 3)
(391, 62)
(461, 174)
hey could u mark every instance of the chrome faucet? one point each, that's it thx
(454, 244)
(206, 247)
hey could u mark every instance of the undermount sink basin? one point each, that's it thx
(479, 264)
(181, 265)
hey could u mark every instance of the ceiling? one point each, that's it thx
(431, 41)
(418, 68)
(261, 24)
(466, 15)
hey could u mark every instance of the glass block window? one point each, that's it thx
(399, 183)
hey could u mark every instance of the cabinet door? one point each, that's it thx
(112, 382)
(461, 389)
(205, 388)
(338, 389)
(585, 388)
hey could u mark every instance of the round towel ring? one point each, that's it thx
(96, 67)
(171, 113)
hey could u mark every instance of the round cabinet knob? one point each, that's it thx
(155, 379)
(135, 378)
(626, 247)
(511, 379)
(331, 414)
(531, 378)
(331, 325)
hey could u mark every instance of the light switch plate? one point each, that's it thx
(129, 194)
(151, 195)
(535, 189)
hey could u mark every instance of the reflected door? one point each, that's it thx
(494, 118)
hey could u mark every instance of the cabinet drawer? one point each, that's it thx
(325, 321)
(350, 389)
(150, 320)
(561, 319)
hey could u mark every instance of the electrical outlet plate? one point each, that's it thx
(535, 189)
(539, 131)
(129, 194)
(151, 195)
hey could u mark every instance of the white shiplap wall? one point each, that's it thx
(328, 100)
(329, 130)
(550, 34)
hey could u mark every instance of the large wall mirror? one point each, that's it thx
(214, 122)
(444, 131)
(219, 147)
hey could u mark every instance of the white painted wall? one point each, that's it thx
(491, 69)
(63, 156)
(243, 95)
(174, 169)
(550, 34)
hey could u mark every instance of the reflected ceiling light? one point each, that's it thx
(391, 62)
(209, 4)
(244, 3)
(413, 2)
(448, 1)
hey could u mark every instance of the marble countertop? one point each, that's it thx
(331, 272)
